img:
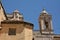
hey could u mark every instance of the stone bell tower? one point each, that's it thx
(45, 23)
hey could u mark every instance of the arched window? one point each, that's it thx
(46, 25)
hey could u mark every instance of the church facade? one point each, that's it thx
(13, 27)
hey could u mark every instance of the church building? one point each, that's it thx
(13, 27)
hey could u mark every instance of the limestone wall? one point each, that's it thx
(28, 33)
(22, 32)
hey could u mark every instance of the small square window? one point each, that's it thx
(12, 31)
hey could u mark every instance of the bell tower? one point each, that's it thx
(45, 23)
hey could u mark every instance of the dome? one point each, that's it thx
(16, 10)
(44, 11)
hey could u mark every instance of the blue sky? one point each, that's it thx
(31, 10)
